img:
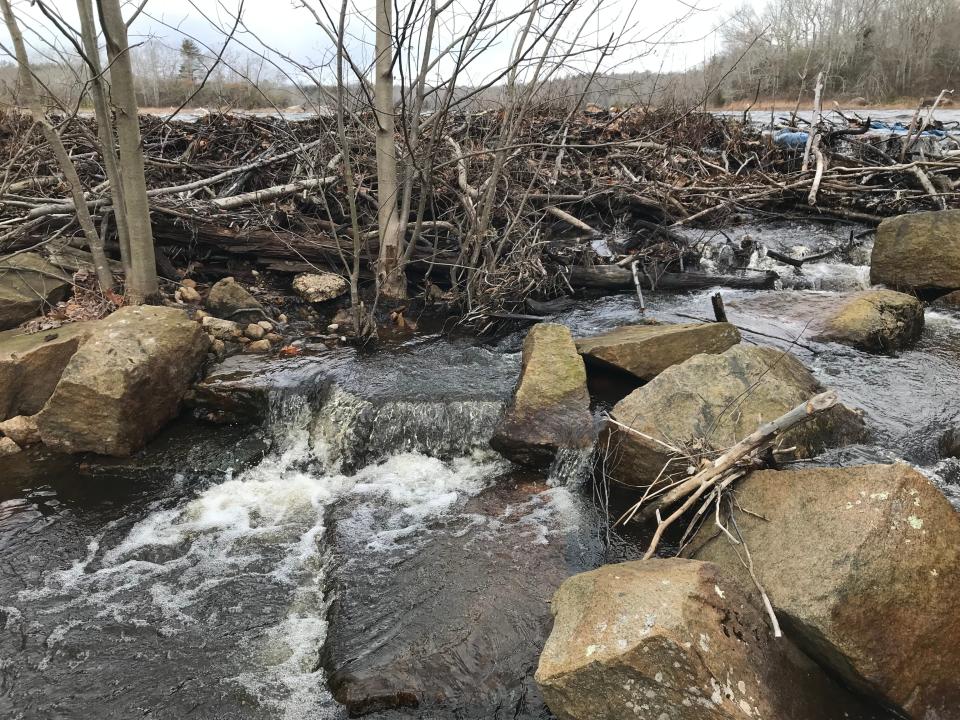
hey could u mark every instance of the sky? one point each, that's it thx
(285, 27)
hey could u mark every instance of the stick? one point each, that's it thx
(762, 437)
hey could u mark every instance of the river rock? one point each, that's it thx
(950, 301)
(718, 400)
(229, 300)
(187, 294)
(876, 321)
(919, 251)
(258, 346)
(254, 331)
(862, 565)
(27, 284)
(8, 446)
(125, 382)
(468, 650)
(551, 405)
(320, 287)
(225, 330)
(675, 639)
(21, 429)
(647, 350)
(31, 365)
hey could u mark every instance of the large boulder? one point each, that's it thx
(27, 284)
(551, 406)
(917, 252)
(713, 401)
(229, 300)
(875, 321)
(125, 382)
(862, 565)
(675, 639)
(320, 287)
(31, 365)
(647, 350)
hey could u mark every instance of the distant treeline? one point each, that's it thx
(881, 50)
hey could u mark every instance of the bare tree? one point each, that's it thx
(391, 277)
(141, 283)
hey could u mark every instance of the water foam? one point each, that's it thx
(192, 565)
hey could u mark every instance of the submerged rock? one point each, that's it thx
(449, 620)
(27, 284)
(320, 287)
(229, 300)
(647, 350)
(715, 401)
(919, 251)
(862, 565)
(551, 405)
(675, 639)
(31, 365)
(8, 446)
(876, 321)
(125, 382)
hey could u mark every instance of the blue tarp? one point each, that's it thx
(798, 139)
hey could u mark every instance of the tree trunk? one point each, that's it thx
(88, 31)
(391, 278)
(141, 283)
(94, 241)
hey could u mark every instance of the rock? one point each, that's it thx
(217, 346)
(467, 652)
(862, 565)
(719, 400)
(125, 382)
(8, 447)
(266, 325)
(27, 284)
(187, 294)
(282, 319)
(31, 365)
(254, 331)
(551, 406)
(230, 301)
(675, 639)
(875, 321)
(187, 282)
(918, 252)
(273, 338)
(199, 315)
(258, 346)
(648, 350)
(22, 429)
(320, 287)
(225, 330)
(950, 301)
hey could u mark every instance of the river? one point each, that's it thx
(363, 541)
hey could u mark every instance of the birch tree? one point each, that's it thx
(392, 281)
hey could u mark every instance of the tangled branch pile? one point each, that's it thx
(271, 192)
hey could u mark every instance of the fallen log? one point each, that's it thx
(611, 277)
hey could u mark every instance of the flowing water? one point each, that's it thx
(364, 546)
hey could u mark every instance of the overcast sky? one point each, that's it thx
(286, 27)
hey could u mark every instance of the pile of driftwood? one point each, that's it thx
(262, 191)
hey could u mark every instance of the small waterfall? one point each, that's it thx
(570, 466)
(350, 432)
